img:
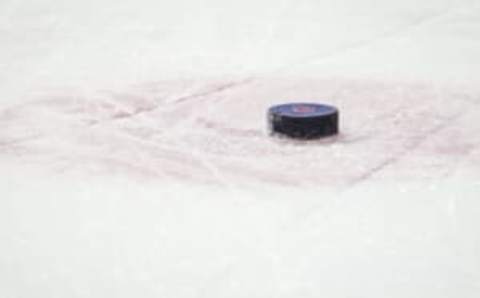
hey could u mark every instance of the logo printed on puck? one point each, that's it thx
(303, 109)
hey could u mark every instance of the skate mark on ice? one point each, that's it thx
(215, 90)
(221, 128)
(179, 100)
(10, 143)
(416, 142)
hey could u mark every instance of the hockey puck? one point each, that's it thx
(303, 120)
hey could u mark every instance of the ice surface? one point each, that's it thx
(135, 159)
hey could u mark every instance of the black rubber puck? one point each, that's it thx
(303, 120)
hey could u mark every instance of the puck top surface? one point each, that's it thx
(302, 110)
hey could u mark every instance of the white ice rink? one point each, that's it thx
(135, 161)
